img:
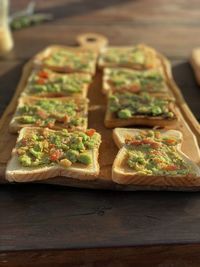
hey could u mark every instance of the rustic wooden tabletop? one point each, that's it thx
(43, 225)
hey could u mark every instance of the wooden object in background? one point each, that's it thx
(187, 124)
(195, 63)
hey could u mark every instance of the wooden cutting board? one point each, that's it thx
(187, 124)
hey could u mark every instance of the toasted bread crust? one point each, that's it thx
(20, 174)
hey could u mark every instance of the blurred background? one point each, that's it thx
(172, 27)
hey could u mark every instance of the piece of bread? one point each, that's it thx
(15, 172)
(88, 57)
(121, 134)
(79, 80)
(82, 104)
(128, 85)
(107, 59)
(195, 63)
(123, 174)
(111, 120)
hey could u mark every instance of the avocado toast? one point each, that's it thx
(67, 60)
(47, 83)
(126, 109)
(55, 113)
(139, 57)
(41, 153)
(148, 157)
(120, 79)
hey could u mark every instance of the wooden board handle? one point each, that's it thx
(92, 41)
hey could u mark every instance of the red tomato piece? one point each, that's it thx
(43, 74)
(24, 141)
(170, 141)
(135, 88)
(171, 168)
(90, 132)
(42, 114)
(150, 142)
(50, 124)
(41, 81)
(135, 142)
(55, 155)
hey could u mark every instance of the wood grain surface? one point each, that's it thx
(57, 225)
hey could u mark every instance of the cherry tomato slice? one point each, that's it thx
(40, 81)
(55, 155)
(43, 74)
(90, 132)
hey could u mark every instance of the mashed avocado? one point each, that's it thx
(151, 80)
(44, 147)
(46, 112)
(78, 61)
(150, 154)
(126, 105)
(48, 82)
(128, 56)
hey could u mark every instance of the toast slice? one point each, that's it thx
(67, 59)
(54, 159)
(121, 134)
(55, 113)
(126, 109)
(120, 79)
(153, 158)
(195, 63)
(139, 57)
(47, 83)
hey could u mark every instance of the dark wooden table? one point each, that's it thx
(43, 225)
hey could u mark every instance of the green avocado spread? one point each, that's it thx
(47, 82)
(126, 105)
(149, 153)
(45, 147)
(73, 60)
(47, 112)
(135, 81)
(137, 55)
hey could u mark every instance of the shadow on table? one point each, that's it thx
(8, 84)
(81, 7)
(184, 78)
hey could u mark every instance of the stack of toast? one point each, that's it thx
(52, 119)
(137, 92)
